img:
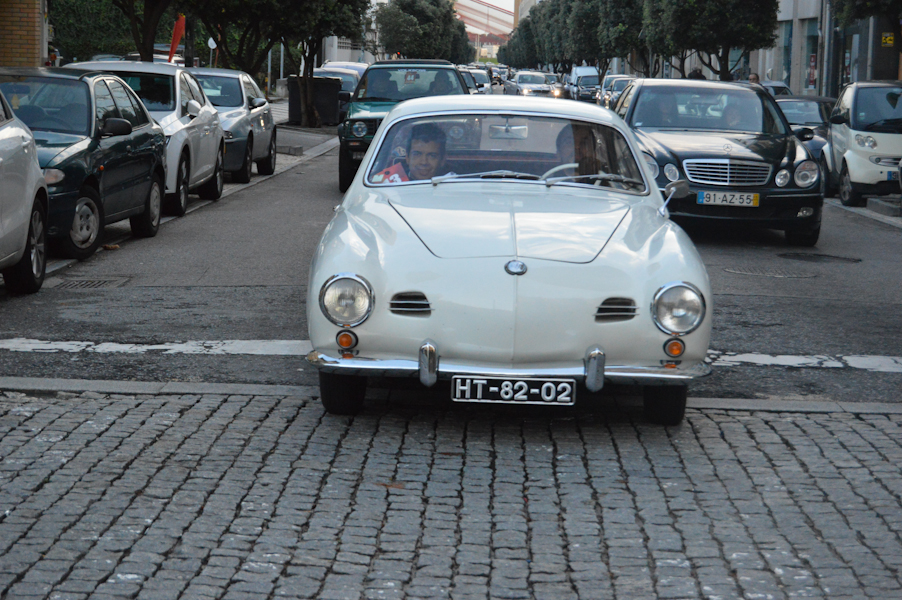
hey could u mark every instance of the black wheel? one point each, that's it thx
(847, 194)
(666, 404)
(829, 188)
(341, 394)
(83, 238)
(243, 175)
(347, 168)
(267, 166)
(177, 203)
(803, 237)
(147, 224)
(27, 275)
(212, 189)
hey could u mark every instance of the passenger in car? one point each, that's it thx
(426, 151)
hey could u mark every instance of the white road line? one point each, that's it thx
(878, 364)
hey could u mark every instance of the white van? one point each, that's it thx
(573, 83)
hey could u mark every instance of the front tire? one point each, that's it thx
(847, 194)
(829, 188)
(803, 237)
(665, 405)
(267, 166)
(83, 238)
(177, 203)
(147, 224)
(341, 394)
(27, 275)
(346, 169)
(212, 189)
(243, 175)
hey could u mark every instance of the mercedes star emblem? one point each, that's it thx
(727, 148)
(515, 267)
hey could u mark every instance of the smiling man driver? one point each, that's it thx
(426, 151)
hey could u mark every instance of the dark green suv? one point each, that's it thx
(383, 85)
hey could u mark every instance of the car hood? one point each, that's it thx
(55, 147)
(228, 114)
(166, 119)
(704, 144)
(539, 87)
(561, 223)
(369, 110)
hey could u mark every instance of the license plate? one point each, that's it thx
(728, 198)
(557, 392)
(892, 176)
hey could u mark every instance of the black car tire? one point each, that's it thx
(666, 404)
(177, 202)
(341, 394)
(803, 237)
(347, 168)
(83, 238)
(212, 189)
(829, 188)
(147, 224)
(847, 194)
(267, 166)
(243, 175)
(27, 275)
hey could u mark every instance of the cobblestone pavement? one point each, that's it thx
(216, 496)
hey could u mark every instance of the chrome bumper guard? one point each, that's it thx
(594, 372)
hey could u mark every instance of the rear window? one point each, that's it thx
(222, 91)
(805, 112)
(588, 81)
(156, 91)
(404, 83)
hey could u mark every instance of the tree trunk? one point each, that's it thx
(310, 116)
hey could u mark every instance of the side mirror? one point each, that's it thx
(344, 96)
(257, 102)
(113, 126)
(678, 188)
(193, 108)
(839, 119)
(804, 133)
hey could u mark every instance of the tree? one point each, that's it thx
(418, 28)
(461, 50)
(144, 20)
(83, 28)
(621, 33)
(245, 32)
(721, 26)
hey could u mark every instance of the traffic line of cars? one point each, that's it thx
(95, 143)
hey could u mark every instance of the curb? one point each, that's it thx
(864, 212)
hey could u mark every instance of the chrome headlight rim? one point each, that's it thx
(671, 172)
(782, 178)
(806, 167)
(354, 277)
(669, 286)
(359, 129)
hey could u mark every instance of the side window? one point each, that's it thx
(844, 103)
(196, 92)
(105, 105)
(3, 115)
(249, 89)
(141, 117)
(624, 105)
(125, 105)
(184, 94)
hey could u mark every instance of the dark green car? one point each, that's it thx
(383, 85)
(101, 153)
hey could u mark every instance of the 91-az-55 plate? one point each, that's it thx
(557, 392)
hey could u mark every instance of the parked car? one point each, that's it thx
(518, 249)
(23, 205)
(101, 152)
(528, 83)
(866, 141)
(383, 85)
(483, 82)
(195, 141)
(469, 81)
(358, 67)
(743, 161)
(812, 112)
(246, 119)
(609, 92)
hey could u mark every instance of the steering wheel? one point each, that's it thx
(559, 168)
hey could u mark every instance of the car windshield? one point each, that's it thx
(154, 89)
(588, 81)
(552, 150)
(49, 103)
(878, 109)
(480, 76)
(222, 91)
(403, 83)
(530, 78)
(686, 108)
(620, 84)
(805, 112)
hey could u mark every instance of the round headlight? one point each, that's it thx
(652, 165)
(671, 172)
(806, 173)
(782, 178)
(359, 129)
(678, 308)
(346, 300)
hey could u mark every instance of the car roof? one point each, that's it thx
(413, 61)
(212, 71)
(701, 83)
(130, 66)
(337, 70)
(783, 99)
(878, 83)
(57, 72)
(491, 103)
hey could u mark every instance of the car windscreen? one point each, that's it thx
(804, 112)
(403, 83)
(480, 76)
(221, 90)
(154, 89)
(530, 78)
(49, 103)
(688, 108)
(348, 81)
(588, 81)
(496, 147)
(878, 109)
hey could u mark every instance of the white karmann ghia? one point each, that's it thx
(517, 247)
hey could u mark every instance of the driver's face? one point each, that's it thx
(424, 159)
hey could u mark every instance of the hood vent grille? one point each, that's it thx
(410, 303)
(616, 309)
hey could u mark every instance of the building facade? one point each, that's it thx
(23, 33)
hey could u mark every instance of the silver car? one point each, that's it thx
(250, 133)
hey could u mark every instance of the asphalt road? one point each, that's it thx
(237, 270)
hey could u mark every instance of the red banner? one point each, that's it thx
(177, 32)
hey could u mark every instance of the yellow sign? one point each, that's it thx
(888, 40)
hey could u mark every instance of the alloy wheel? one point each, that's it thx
(86, 224)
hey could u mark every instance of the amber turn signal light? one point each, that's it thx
(346, 340)
(674, 347)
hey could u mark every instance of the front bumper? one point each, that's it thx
(356, 147)
(777, 209)
(870, 178)
(61, 213)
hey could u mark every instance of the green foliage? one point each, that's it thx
(422, 29)
(83, 28)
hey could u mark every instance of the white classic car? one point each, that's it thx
(517, 247)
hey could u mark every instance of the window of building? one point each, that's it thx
(809, 59)
(786, 46)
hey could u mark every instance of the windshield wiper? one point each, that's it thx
(882, 123)
(484, 175)
(596, 177)
(374, 99)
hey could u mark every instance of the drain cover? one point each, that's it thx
(818, 257)
(781, 273)
(90, 284)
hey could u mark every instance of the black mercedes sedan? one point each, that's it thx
(732, 143)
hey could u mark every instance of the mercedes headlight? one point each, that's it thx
(346, 300)
(678, 308)
(671, 172)
(652, 165)
(359, 129)
(782, 178)
(806, 174)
